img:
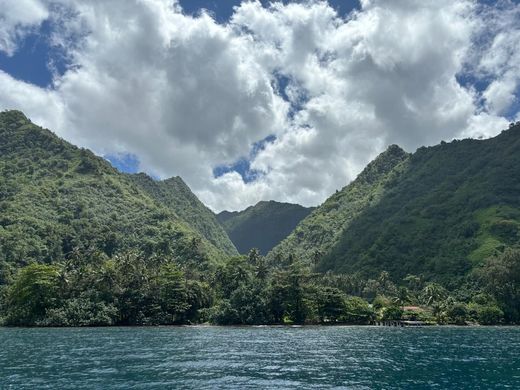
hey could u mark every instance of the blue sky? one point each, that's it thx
(284, 92)
(223, 9)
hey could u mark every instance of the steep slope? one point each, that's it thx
(175, 194)
(454, 205)
(317, 234)
(58, 201)
(262, 226)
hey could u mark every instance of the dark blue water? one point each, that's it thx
(268, 357)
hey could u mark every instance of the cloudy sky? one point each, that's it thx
(253, 100)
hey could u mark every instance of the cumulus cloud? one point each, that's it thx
(186, 94)
(17, 17)
(500, 61)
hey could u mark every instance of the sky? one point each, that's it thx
(259, 100)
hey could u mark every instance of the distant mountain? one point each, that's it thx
(437, 213)
(175, 194)
(262, 226)
(58, 201)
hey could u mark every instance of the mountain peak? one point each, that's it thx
(383, 163)
(263, 225)
(13, 116)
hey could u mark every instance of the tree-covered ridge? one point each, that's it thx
(317, 234)
(453, 206)
(175, 194)
(81, 244)
(59, 201)
(262, 226)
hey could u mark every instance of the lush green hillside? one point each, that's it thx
(442, 213)
(58, 201)
(82, 244)
(262, 226)
(321, 230)
(175, 194)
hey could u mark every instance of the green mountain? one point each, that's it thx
(58, 201)
(446, 210)
(82, 244)
(262, 226)
(315, 235)
(437, 213)
(176, 195)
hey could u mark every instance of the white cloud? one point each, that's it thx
(17, 17)
(186, 94)
(500, 60)
(43, 105)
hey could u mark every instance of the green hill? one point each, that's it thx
(175, 194)
(321, 230)
(82, 244)
(262, 226)
(446, 210)
(438, 213)
(58, 201)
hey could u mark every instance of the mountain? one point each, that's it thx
(175, 194)
(315, 235)
(438, 213)
(443, 213)
(262, 226)
(82, 244)
(58, 201)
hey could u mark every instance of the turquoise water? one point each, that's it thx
(260, 357)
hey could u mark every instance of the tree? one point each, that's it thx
(413, 282)
(261, 269)
(173, 295)
(501, 277)
(489, 315)
(392, 313)
(458, 313)
(402, 296)
(230, 276)
(253, 256)
(33, 292)
(330, 304)
(433, 293)
(357, 311)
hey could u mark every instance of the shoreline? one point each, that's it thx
(431, 326)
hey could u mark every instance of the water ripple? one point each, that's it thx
(260, 357)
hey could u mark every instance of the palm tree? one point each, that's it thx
(433, 293)
(402, 297)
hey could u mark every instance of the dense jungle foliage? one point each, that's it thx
(135, 289)
(262, 226)
(315, 235)
(57, 200)
(439, 212)
(175, 194)
(450, 208)
(82, 244)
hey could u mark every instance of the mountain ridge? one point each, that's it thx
(315, 234)
(175, 193)
(454, 205)
(58, 199)
(262, 225)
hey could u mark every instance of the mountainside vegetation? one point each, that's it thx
(430, 237)
(59, 201)
(437, 213)
(442, 214)
(176, 195)
(262, 226)
(315, 235)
